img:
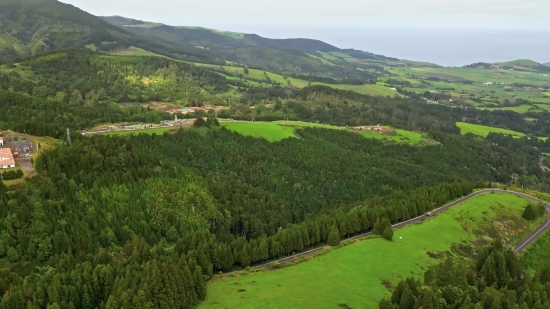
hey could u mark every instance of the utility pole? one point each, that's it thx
(69, 136)
(514, 179)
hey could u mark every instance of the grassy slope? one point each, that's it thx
(272, 131)
(352, 275)
(478, 76)
(484, 130)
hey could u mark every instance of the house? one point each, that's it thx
(6, 158)
(1, 141)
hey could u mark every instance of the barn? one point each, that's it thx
(6, 158)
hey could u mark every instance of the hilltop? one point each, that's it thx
(31, 27)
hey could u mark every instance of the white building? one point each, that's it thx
(1, 141)
(6, 158)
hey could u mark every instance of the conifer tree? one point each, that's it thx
(407, 299)
(200, 286)
(245, 255)
(333, 237)
(529, 214)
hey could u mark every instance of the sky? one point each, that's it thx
(447, 32)
(252, 14)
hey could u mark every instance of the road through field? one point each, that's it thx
(519, 247)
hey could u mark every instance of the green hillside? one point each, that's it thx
(75, 77)
(521, 63)
(31, 27)
(286, 56)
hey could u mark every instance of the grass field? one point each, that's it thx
(352, 276)
(484, 130)
(158, 131)
(537, 255)
(401, 136)
(272, 131)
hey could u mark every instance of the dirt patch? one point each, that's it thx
(387, 284)
(24, 164)
(344, 306)
(436, 255)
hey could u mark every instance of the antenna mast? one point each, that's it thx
(69, 136)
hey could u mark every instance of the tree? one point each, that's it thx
(76, 98)
(246, 256)
(407, 299)
(245, 70)
(200, 286)
(388, 233)
(529, 214)
(377, 229)
(13, 255)
(333, 236)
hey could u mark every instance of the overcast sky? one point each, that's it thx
(255, 15)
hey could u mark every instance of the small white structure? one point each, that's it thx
(1, 141)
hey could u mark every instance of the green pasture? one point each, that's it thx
(400, 136)
(327, 56)
(484, 130)
(354, 276)
(537, 254)
(364, 89)
(323, 60)
(271, 131)
(157, 131)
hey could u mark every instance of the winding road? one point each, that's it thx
(521, 246)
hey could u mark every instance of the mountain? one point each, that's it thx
(209, 37)
(296, 56)
(30, 27)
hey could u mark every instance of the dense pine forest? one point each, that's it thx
(144, 221)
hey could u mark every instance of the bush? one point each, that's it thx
(12, 174)
(388, 233)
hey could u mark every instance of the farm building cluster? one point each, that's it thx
(13, 147)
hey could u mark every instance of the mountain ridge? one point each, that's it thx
(31, 27)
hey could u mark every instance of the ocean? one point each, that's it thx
(456, 47)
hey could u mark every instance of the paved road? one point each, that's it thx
(521, 246)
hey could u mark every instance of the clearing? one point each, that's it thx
(355, 275)
(400, 136)
(271, 131)
(484, 130)
(279, 130)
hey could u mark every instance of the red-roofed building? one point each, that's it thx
(6, 158)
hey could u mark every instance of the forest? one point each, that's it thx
(108, 216)
(75, 77)
(35, 116)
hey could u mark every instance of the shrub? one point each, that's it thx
(388, 233)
